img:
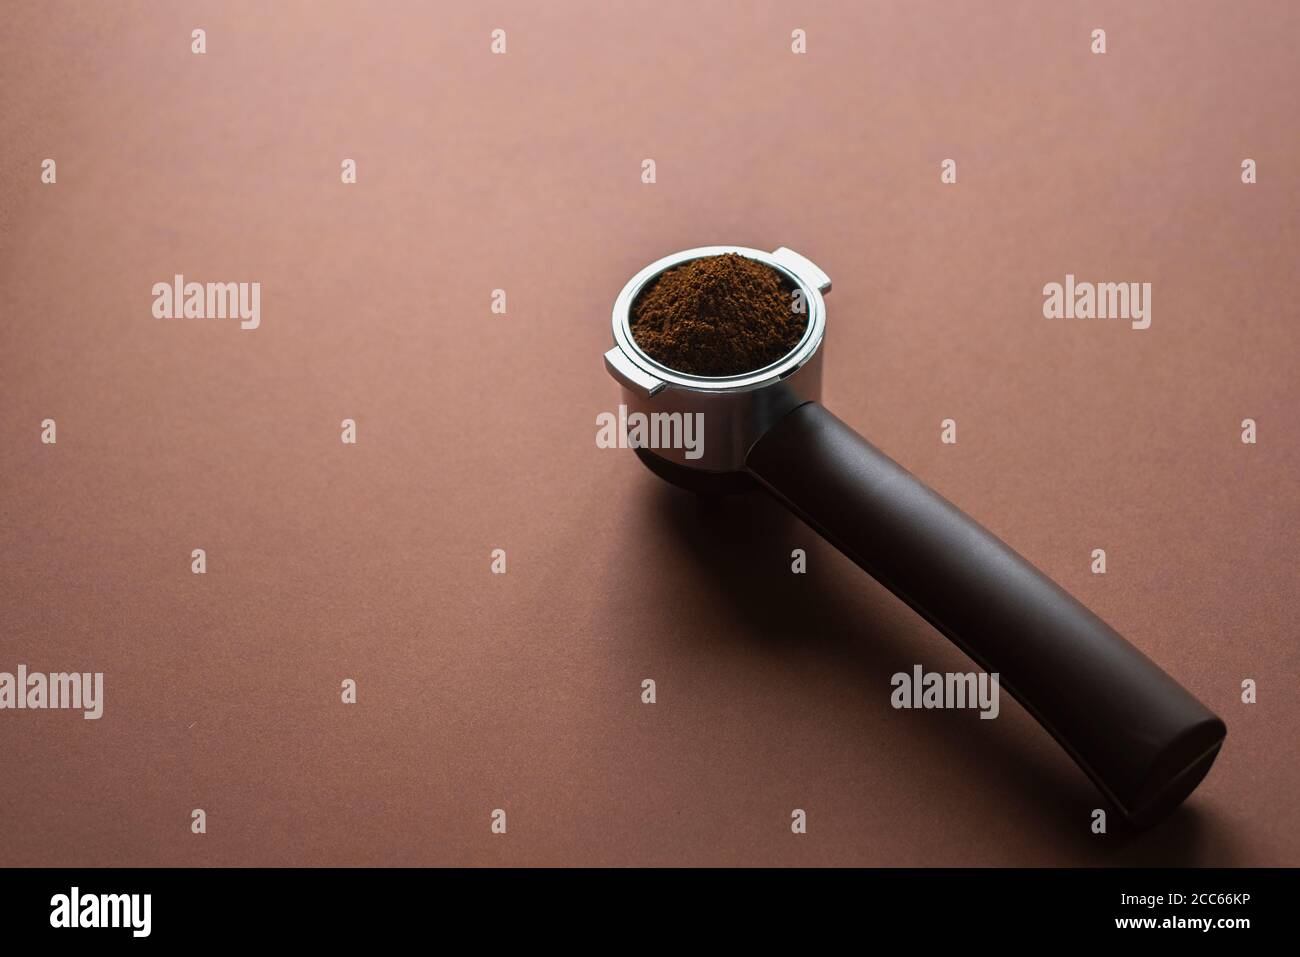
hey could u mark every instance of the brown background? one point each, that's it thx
(477, 431)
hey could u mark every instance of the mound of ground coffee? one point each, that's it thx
(718, 316)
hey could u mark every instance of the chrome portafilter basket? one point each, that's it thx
(737, 410)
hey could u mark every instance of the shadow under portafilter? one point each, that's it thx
(742, 543)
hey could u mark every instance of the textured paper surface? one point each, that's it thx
(476, 431)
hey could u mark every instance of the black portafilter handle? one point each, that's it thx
(1142, 738)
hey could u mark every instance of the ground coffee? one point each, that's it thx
(718, 316)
